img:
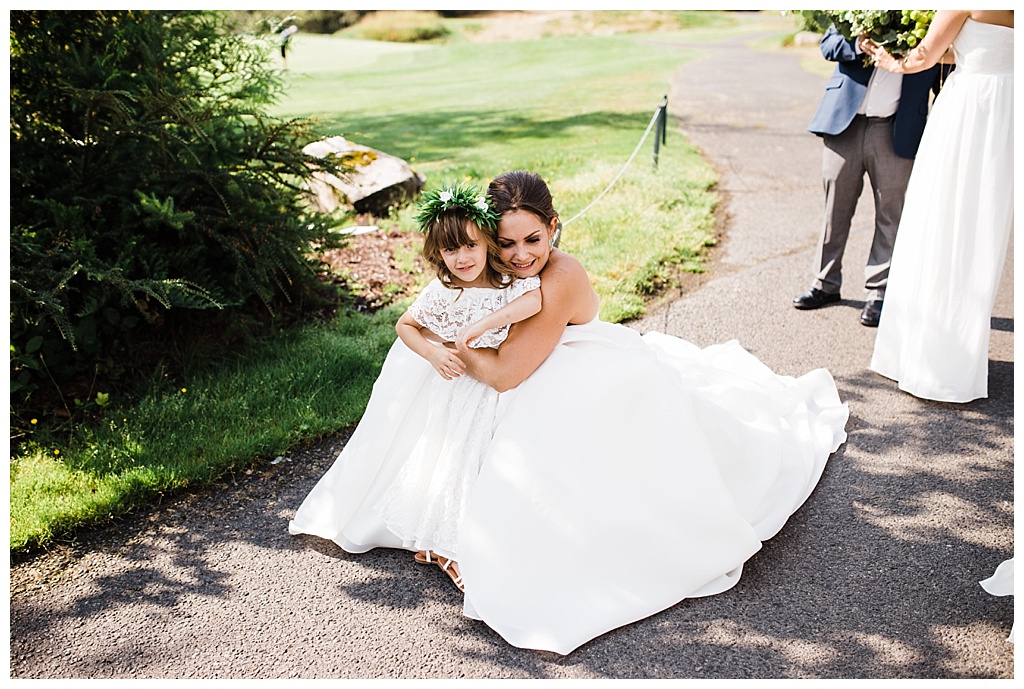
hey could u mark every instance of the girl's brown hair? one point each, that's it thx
(450, 230)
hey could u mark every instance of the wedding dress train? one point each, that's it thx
(1001, 584)
(627, 473)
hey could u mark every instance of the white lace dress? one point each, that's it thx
(425, 502)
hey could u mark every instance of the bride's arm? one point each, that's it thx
(519, 309)
(944, 28)
(567, 295)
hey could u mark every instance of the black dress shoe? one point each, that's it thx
(815, 298)
(871, 313)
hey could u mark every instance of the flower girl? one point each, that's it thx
(472, 300)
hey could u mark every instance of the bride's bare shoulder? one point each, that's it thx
(565, 264)
(567, 270)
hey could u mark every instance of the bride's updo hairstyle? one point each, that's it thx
(520, 190)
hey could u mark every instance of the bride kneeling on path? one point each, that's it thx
(624, 473)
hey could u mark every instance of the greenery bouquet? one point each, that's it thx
(898, 31)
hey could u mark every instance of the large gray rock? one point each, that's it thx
(374, 181)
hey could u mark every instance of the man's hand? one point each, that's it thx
(866, 45)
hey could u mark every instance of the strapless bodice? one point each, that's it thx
(983, 49)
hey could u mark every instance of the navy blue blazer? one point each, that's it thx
(848, 85)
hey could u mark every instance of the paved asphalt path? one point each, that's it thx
(876, 576)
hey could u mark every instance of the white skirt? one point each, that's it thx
(626, 474)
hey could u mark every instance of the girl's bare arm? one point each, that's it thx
(568, 298)
(445, 361)
(519, 309)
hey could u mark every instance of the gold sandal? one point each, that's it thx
(425, 557)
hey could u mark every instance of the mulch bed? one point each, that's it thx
(368, 269)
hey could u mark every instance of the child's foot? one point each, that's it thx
(449, 567)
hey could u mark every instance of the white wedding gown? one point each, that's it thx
(626, 474)
(933, 336)
(424, 504)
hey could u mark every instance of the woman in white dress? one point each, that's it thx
(933, 336)
(624, 473)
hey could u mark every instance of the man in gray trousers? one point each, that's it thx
(870, 121)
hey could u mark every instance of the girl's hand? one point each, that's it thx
(446, 362)
(467, 335)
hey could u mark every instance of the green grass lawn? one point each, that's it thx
(570, 108)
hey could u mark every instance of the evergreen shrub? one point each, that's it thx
(146, 176)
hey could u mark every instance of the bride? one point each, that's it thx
(625, 472)
(933, 336)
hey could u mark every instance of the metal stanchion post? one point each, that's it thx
(658, 122)
(664, 120)
(660, 127)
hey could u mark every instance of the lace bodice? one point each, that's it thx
(446, 312)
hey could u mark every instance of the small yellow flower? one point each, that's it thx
(56, 452)
(124, 420)
(184, 389)
(34, 421)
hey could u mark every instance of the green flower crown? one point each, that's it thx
(465, 196)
